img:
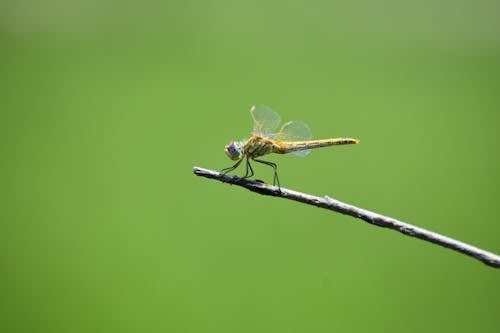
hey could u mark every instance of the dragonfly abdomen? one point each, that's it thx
(291, 146)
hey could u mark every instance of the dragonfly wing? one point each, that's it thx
(265, 120)
(301, 153)
(295, 131)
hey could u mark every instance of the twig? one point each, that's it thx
(326, 202)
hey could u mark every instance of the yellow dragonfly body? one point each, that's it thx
(294, 137)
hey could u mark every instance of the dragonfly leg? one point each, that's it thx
(249, 172)
(275, 167)
(231, 168)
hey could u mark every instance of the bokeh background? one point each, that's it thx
(105, 107)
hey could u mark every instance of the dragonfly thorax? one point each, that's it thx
(234, 150)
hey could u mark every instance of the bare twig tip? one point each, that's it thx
(327, 202)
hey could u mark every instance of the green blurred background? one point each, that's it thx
(105, 107)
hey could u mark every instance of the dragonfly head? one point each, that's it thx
(234, 150)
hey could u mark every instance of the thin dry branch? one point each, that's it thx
(326, 202)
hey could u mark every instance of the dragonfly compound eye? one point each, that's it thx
(233, 151)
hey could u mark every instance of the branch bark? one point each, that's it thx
(326, 202)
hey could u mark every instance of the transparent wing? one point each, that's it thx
(265, 120)
(295, 131)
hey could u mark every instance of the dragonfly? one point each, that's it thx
(293, 137)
